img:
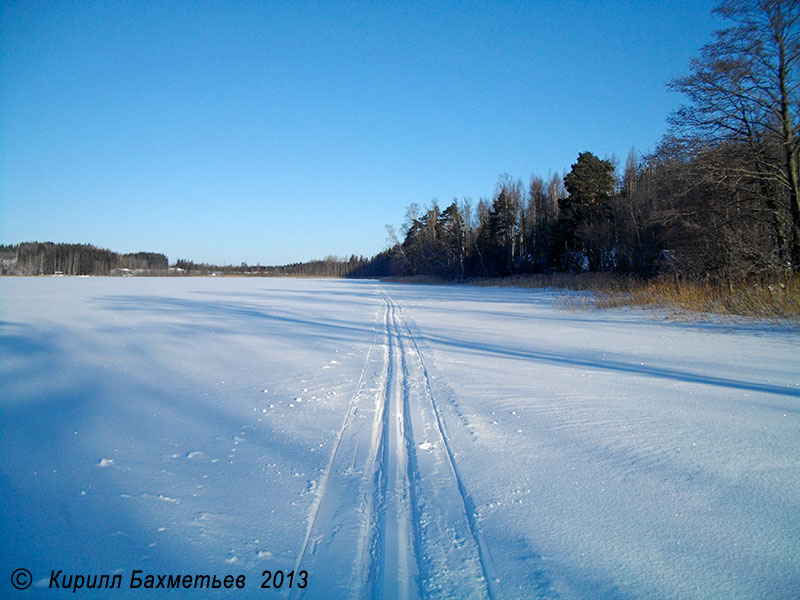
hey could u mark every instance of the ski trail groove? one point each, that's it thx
(392, 517)
(372, 490)
(324, 479)
(329, 516)
(394, 554)
(484, 560)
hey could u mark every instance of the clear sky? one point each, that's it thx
(273, 132)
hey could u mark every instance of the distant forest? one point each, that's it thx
(331, 266)
(718, 199)
(47, 258)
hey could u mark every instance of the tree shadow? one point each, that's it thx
(608, 364)
(93, 460)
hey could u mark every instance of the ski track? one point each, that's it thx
(315, 508)
(392, 517)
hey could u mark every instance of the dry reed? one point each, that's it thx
(773, 299)
(776, 298)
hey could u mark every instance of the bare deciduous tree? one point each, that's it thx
(744, 88)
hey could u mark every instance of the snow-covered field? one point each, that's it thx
(414, 441)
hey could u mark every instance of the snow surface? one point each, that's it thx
(393, 441)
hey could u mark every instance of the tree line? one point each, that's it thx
(330, 266)
(718, 198)
(47, 258)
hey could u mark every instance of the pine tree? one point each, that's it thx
(584, 215)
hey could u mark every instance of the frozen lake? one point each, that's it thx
(390, 441)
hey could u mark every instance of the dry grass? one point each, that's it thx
(774, 299)
(426, 279)
(566, 281)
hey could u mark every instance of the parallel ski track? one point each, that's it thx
(389, 557)
(485, 560)
(372, 491)
(394, 550)
(321, 487)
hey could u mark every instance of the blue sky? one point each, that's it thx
(274, 132)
